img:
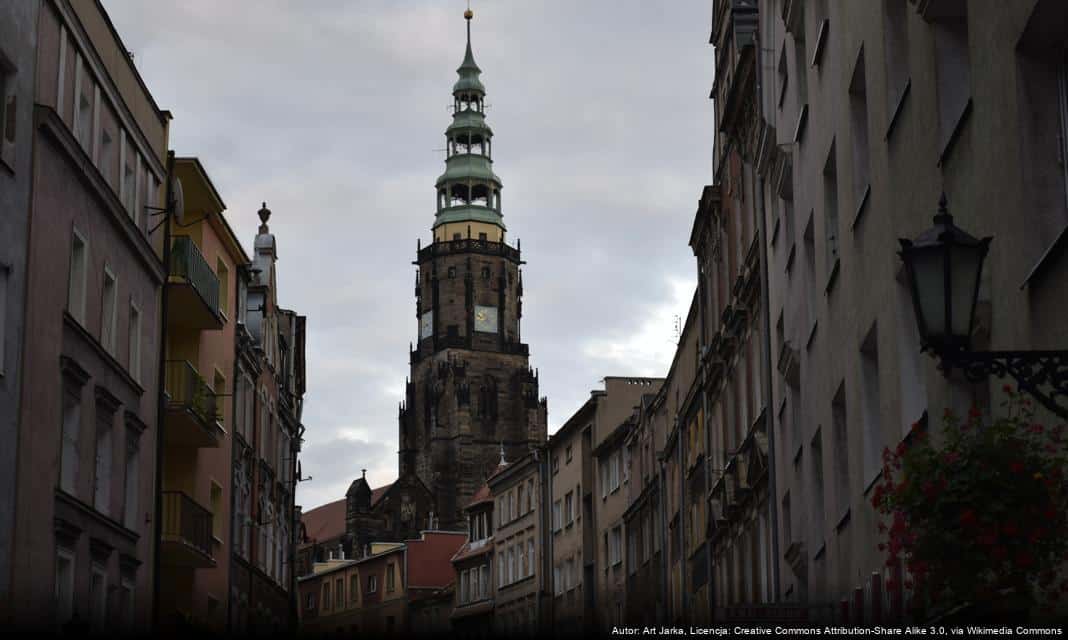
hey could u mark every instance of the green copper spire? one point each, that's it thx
(468, 191)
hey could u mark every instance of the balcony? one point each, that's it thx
(193, 288)
(186, 537)
(193, 416)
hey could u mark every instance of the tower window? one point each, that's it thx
(485, 272)
(456, 236)
(452, 272)
(482, 237)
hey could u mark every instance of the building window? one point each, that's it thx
(83, 104)
(556, 516)
(339, 593)
(8, 111)
(953, 71)
(841, 450)
(5, 273)
(354, 588)
(520, 497)
(223, 274)
(79, 256)
(135, 343)
(64, 587)
(391, 577)
(530, 556)
(896, 47)
(98, 597)
(556, 463)
(216, 511)
(530, 488)
(127, 602)
(569, 508)
(830, 211)
(869, 370)
(131, 480)
(326, 599)
(128, 160)
(372, 584)
(817, 490)
(102, 472)
(858, 117)
(69, 451)
(309, 600)
(615, 547)
(109, 310)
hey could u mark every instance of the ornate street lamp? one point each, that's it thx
(944, 265)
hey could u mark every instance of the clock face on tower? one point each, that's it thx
(426, 324)
(485, 319)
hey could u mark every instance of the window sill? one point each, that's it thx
(898, 109)
(811, 335)
(1048, 258)
(862, 207)
(775, 232)
(874, 481)
(790, 258)
(832, 279)
(821, 41)
(843, 521)
(802, 119)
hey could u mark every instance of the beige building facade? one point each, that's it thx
(870, 112)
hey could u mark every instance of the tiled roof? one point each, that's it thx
(430, 558)
(327, 521)
(482, 495)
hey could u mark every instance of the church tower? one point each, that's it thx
(471, 390)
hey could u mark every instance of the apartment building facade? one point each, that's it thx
(519, 543)
(271, 381)
(839, 127)
(202, 320)
(83, 549)
(18, 58)
(473, 612)
(397, 587)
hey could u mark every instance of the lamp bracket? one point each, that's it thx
(1033, 371)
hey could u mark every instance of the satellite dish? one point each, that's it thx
(178, 200)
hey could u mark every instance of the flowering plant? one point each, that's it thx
(981, 515)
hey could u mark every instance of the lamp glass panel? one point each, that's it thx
(928, 265)
(965, 264)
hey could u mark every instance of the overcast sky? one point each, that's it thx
(333, 111)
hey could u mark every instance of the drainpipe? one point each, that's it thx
(161, 395)
(680, 444)
(547, 539)
(765, 348)
(233, 460)
(665, 573)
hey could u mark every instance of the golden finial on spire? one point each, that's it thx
(469, 14)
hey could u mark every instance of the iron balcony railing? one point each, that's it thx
(186, 522)
(187, 390)
(187, 263)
